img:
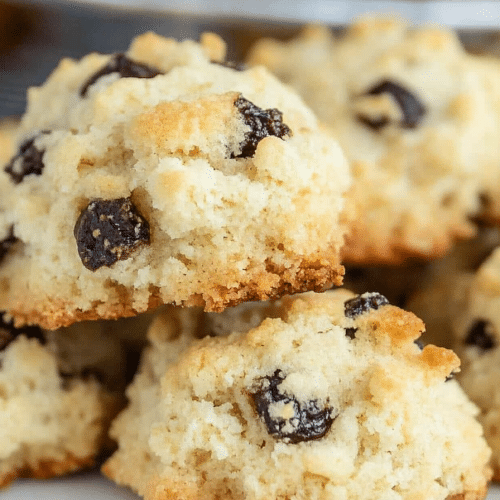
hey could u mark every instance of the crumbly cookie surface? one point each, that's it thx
(488, 68)
(477, 337)
(183, 181)
(440, 291)
(317, 396)
(59, 390)
(415, 115)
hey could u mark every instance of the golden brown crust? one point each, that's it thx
(152, 48)
(175, 127)
(401, 326)
(496, 474)
(169, 490)
(396, 251)
(473, 494)
(317, 275)
(45, 469)
(55, 314)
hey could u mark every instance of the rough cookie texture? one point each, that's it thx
(191, 183)
(59, 391)
(440, 292)
(297, 399)
(417, 119)
(435, 291)
(477, 339)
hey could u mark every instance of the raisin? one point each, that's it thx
(481, 335)
(413, 110)
(29, 161)
(374, 123)
(419, 344)
(6, 243)
(8, 333)
(363, 303)
(126, 68)
(109, 230)
(262, 123)
(351, 332)
(309, 420)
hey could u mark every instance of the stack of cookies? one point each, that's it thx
(167, 180)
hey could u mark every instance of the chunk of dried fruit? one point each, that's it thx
(263, 123)
(126, 68)
(29, 161)
(411, 108)
(363, 303)
(481, 334)
(351, 332)
(6, 243)
(109, 230)
(419, 344)
(286, 418)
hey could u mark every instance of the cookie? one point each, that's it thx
(440, 293)
(476, 335)
(416, 121)
(489, 69)
(59, 391)
(183, 181)
(314, 396)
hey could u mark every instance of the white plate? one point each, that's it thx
(85, 486)
(92, 486)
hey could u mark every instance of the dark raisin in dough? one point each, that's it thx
(309, 421)
(8, 333)
(373, 123)
(29, 161)
(413, 110)
(419, 344)
(6, 243)
(126, 68)
(351, 332)
(480, 335)
(363, 303)
(109, 230)
(263, 123)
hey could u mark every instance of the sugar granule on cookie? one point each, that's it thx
(315, 396)
(165, 175)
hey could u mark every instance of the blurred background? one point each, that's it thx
(36, 34)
